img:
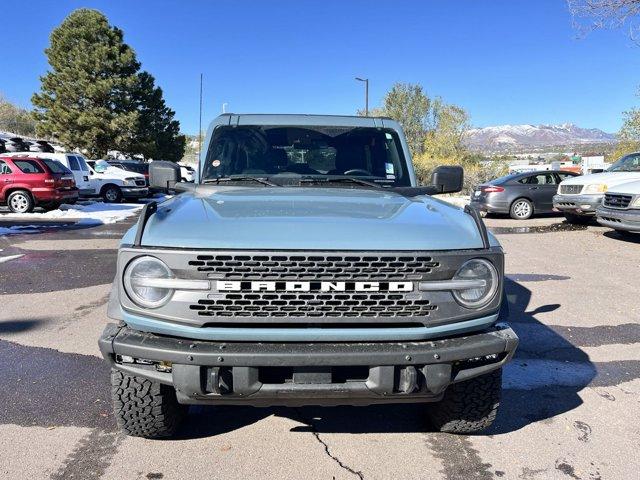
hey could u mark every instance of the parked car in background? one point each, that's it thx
(579, 198)
(27, 182)
(132, 166)
(521, 195)
(620, 208)
(74, 162)
(114, 184)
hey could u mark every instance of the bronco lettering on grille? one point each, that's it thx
(260, 286)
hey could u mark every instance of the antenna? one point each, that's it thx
(200, 125)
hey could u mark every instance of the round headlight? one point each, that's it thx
(138, 278)
(477, 296)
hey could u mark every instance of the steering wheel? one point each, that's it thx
(357, 171)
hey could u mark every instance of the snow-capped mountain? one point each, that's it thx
(518, 137)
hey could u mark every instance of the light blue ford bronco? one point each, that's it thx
(306, 267)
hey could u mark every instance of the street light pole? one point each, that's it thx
(366, 94)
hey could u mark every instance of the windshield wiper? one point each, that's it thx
(358, 181)
(263, 181)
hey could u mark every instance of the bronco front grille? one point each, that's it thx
(570, 189)
(614, 200)
(315, 267)
(313, 305)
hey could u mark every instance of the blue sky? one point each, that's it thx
(505, 61)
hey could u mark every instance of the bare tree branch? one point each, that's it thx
(589, 15)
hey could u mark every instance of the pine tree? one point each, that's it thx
(94, 98)
(85, 97)
(157, 135)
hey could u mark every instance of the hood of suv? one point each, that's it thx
(630, 188)
(119, 173)
(308, 218)
(608, 178)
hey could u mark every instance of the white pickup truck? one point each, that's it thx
(579, 197)
(113, 183)
(620, 209)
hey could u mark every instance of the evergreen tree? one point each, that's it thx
(94, 98)
(157, 134)
(86, 96)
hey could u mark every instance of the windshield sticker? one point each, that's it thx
(389, 168)
(216, 163)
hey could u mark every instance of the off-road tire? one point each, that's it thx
(144, 408)
(468, 407)
(576, 219)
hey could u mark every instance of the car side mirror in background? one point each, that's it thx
(448, 178)
(163, 175)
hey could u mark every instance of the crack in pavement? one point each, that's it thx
(324, 444)
(358, 473)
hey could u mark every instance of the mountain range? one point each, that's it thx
(505, 138)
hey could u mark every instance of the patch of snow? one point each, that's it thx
(10, 257)
(82, 213)
(89, 212)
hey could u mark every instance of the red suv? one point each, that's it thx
(27, 182)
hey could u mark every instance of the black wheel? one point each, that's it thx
(521, 209)
(111, 194)
(144, 408)
(576, 219)
(20, 201)
(470, 406)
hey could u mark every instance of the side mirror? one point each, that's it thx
(448, 179)
(163, 175)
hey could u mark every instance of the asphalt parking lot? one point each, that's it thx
(570, 408)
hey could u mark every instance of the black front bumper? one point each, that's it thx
(264, 374)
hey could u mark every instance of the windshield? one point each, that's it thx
(281, 153)
(55, 166)
(630, 163)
